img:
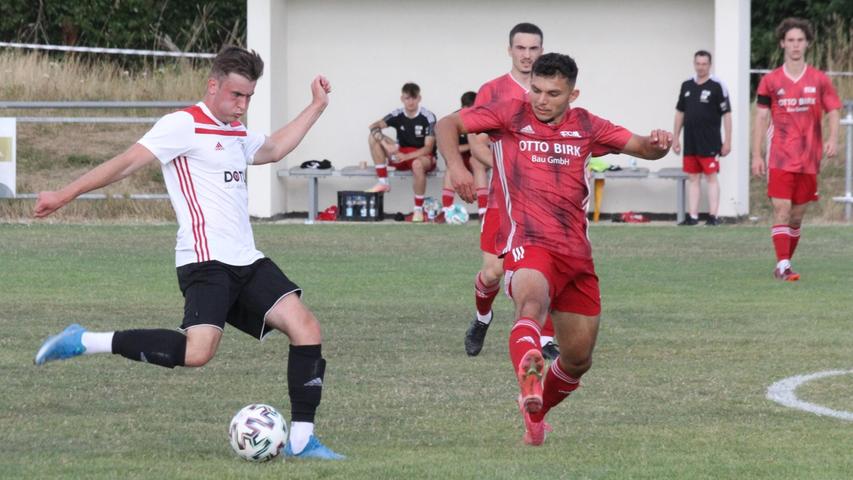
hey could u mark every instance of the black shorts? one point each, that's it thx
(216, 294)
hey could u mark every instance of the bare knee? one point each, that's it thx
(198, 356)
(574, 365)
(294, 319)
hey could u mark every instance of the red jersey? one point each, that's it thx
(505, 87)
(795, 142)
(542, 171)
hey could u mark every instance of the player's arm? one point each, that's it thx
(830, 148)
(727, 134)
(652, 147)
(111, 171)
(479, 145)
(759, 132)
(286, 138)
(426, 150)
(447, 132)
(676, 131)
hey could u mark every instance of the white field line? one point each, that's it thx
(783, 392)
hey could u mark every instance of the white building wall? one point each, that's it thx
(632, 58)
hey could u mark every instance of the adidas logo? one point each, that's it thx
(219, 147)
(317, 382)
(527, 339)
(527, 129)
(780, 92)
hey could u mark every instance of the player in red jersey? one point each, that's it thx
(525, 46)
(791, 99)
(542, 148)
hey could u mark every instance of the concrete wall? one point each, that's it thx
(632, 58)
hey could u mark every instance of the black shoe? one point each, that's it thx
(689, 221)
(551, 351)
(475, 336)
(712, 221)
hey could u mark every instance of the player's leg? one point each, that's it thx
(804, 193)
(781, 234)
(694, 191)
(208, 295)
(270, 301)
(379, 152)
(577, 334)
(691, 166)
(481, 181)
(530, 290)
(713, 198)
(420, 167)
(795, 223)
(487, 285)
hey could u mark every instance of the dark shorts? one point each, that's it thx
(572, 282)
(799, 188)
(216, 294)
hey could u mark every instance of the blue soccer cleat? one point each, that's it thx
(66, 344)
(314, 449)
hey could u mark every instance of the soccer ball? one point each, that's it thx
(456, 215)
(257, 432)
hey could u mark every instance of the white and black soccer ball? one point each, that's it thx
(456, 215)
(257, 432)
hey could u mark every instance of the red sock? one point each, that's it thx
(782, 242)
(523, 337)
(558, 385)
(484, 295)
(482, 198)
(419, 201)
(795, 239)
(446, 198)
(382, 171)
(548, 328)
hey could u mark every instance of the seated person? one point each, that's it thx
(414, 149)
(478, 169)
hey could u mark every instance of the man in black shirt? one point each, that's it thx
(414, 149)
(702, 104)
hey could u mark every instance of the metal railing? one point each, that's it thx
(32, 105)
(847, 199)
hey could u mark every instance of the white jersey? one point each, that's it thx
(204, 166)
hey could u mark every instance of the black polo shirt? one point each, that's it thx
(411, 132)
(703, 107)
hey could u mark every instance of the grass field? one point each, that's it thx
(694, 330)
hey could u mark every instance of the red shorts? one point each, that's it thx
(407, 164)
(489, 230)
(697, 164)
(572, 282)
(799, 188)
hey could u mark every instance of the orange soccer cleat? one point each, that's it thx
(530, 372)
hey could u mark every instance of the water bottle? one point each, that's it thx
(372, 207)
(633, 163)
(363, 203)
(431, 215)
(349, 207)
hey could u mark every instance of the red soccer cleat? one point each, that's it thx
(534, 432)
(530, 372)
(787, 276)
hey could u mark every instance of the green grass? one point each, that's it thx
(694, 330)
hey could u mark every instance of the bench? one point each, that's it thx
(314, 175)
(674, 173)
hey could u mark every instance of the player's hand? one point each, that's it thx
(758, 167)
(660, 140)
(463, 183)
(676, 145)
(725, 149)
(47, 203)
(320, 90)
(830, 148)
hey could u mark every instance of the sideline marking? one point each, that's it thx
(782, 392)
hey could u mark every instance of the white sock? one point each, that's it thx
(97, 342)
(543, 340)
(383, 180)
(487, 319)
(300, 432)
(783, 265)
(419, 209)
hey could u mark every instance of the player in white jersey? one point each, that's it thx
(204, 151)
